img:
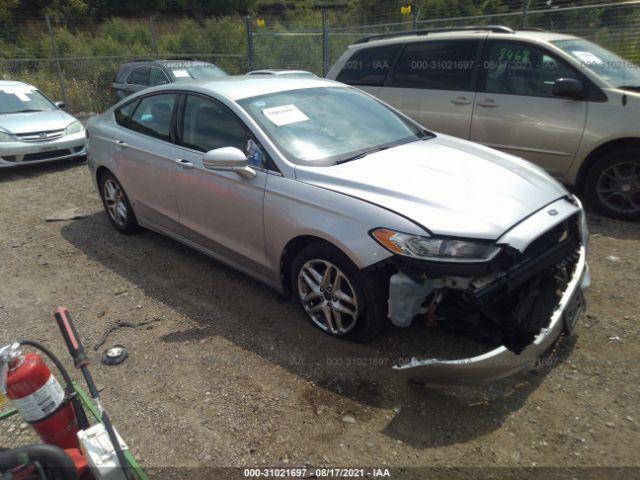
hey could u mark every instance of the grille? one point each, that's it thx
(41, 136)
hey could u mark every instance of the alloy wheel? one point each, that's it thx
(618, 187)
(115, 201)
(328, 296)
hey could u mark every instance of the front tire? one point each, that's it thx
(613, 184)
(336, 296)
(117, 205)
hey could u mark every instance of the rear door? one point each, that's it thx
(145, 159)
(434, 83)
(516, 111)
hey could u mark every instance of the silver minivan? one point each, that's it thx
(557, 100)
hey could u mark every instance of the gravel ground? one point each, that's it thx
(224, 373)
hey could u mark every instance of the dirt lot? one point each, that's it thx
(227, 374)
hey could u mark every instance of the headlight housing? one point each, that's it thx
(5, 137)
(436, 249)
(75, 127)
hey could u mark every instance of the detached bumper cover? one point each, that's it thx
(500, 362)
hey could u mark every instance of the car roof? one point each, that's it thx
(533, 34)
(238, 87)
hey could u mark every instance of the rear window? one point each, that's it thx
(437, 65)
(369, 66)
(123, 114)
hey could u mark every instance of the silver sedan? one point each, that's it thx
(33, 129)
(366, 217)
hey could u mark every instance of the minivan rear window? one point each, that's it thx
(437, 65)
(369, 66)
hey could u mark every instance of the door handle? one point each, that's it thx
(184, 164)
(461, 101)
(488, 103)
(120, 145)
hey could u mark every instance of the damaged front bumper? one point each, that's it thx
(501, 362)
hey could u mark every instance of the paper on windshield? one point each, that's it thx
(19, 91)
(284, 115)
(181, 73)
(587, 57)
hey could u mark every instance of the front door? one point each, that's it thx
(219, 210)
(516, 112)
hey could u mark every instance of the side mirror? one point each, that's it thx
(228, 159)
(568, 87)
(60, 105)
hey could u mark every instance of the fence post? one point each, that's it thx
(250, 52)
(525, 12)
(55, 54)
(414, 14)
(325, 43)
(154, 39)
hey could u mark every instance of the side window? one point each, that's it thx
(208, 124)
(139, 76)
(368, 66)
(521, 69)
(437, 65)
(157, 77)
(123, 114)
(153, 116)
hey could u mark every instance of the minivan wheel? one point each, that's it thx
(613, 184)
(336, 296)
(117, 204)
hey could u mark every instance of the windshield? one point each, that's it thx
(324, 126)
(198, 71)
(23, 98)
(614, 69)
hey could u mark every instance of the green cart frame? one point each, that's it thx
(93, 411)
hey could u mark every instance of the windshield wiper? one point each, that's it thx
(361, 155)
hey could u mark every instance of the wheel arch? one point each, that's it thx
(601, 151)
(293, 247)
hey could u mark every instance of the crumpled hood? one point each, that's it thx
(30, 122)
(447, 185)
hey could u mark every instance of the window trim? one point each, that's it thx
(592, 92)
(475, 74)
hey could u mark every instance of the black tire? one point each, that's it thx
(128, 224)
(616, 198)
(371, 292)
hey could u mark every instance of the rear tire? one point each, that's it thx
(612, 184)
(336, 296)
(117, 205)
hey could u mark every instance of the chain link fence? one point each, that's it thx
(76, 60)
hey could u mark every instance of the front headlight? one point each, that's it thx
(75, 127)
(5, 137)
(437, 249)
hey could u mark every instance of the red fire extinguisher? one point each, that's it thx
(35, 392)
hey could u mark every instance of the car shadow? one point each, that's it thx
(223, 302)
(27, 171)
